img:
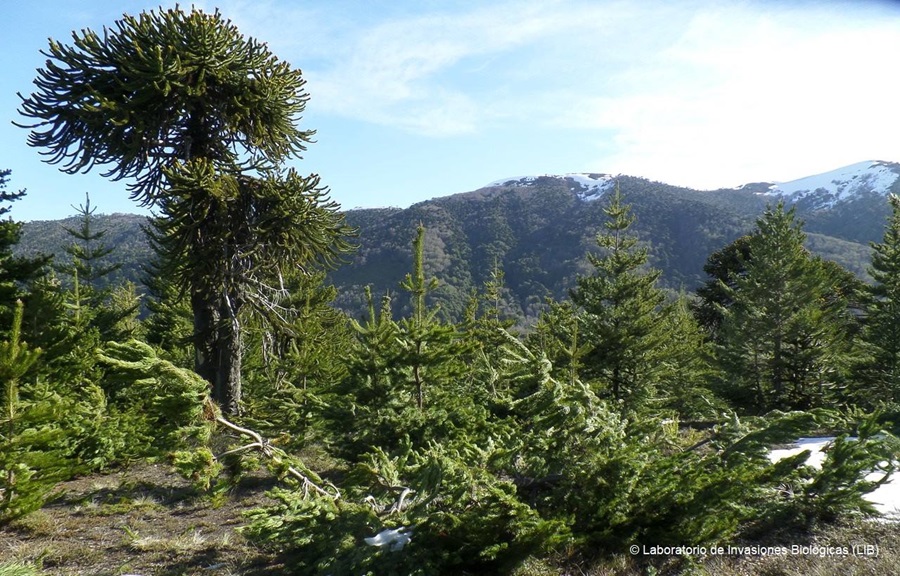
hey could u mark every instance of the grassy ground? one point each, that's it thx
(148, 521)
(145, 520)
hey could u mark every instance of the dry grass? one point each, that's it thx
(144, 521)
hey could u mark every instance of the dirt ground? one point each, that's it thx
(145, 520)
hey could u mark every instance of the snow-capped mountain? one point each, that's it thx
(837, 186)
(872, 177)
(587, 186)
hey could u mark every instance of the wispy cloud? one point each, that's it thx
(666, 85)
(443, 73)
(422, 72)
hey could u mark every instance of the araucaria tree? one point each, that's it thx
(199, 119)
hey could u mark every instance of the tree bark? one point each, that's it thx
(206, 320)
(227, 389)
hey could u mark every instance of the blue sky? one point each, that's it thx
(417, 99)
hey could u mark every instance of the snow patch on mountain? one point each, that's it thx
(829, 188)
(587, 186)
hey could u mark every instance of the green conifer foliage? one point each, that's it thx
(293, 366)
(786, 336)
(30, 465)
(87, 251)
(615, 483)
(200, 119)
(231, 242)
(622, 322)
(169, 324)
(556, 336)
(14, 271)
(160, 88)
(68, 330)
(159, 407)
(723, 267)
(426, 342)
(407, 378)
(485, 329)
(59, 321)
(112, 311)
(690, 370)
(881, 370)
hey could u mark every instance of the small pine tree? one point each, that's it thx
(427, 343)
(31, 460)
(484, 328)
(93, 303)
(622, 318)
(407, 379)
(87, 252)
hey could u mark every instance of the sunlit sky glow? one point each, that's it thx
(419, 99)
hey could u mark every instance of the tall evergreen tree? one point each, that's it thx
(881, 370)
(253, 233)
(723, 267)
(185, 106)
(622, 315)
(785, 341)
(15, 271)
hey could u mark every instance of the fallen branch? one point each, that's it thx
(278, 456)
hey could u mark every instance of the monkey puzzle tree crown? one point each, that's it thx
(164, 87)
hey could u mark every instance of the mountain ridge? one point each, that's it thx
(539, 229)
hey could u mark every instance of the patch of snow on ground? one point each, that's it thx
(587, 186)
(886, 497)
(394, 539)
(592, 186)
(514, 181)
(838, 184)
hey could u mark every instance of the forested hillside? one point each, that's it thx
(538, 236)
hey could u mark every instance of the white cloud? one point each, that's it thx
(746, 92)
(670, 88)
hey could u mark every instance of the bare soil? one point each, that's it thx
(144, 520)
